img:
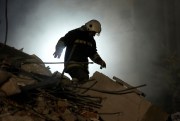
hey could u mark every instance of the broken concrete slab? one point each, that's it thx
(128, 106)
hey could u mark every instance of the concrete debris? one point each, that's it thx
(10, 87)
(30, 92)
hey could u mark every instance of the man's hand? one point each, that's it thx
(103, 64)
(57, 54)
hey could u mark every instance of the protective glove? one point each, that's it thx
(103, 64)
(57, 54)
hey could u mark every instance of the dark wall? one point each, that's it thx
(171, 24)
(177, 20)
(156, 36)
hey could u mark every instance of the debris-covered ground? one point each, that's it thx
(30, 92)
(41, 105)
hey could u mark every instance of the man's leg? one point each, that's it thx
(79, 73)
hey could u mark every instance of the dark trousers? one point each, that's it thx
(79, 73)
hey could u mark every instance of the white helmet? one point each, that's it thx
(93, 25)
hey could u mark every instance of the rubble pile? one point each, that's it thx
(40, 105)
(30, 92)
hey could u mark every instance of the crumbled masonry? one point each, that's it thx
(29, 91)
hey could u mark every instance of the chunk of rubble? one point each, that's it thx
(29, 92)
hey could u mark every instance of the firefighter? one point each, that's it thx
(80, 45)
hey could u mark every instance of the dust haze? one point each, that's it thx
(132, 39)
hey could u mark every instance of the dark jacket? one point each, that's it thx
(79, 46)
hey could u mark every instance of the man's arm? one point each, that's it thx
(98, 60)
(59, 48)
